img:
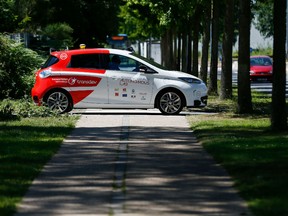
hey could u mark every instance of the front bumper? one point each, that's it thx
(200, 103)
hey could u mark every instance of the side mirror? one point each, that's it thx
(145, 69)
(142, 68)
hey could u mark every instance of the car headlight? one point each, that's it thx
(190, 80)
(252, 72)
(45, 74)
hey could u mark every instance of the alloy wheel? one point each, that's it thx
(170, 103)
(58, 101)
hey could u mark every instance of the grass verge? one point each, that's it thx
(26, 145)
(256, 158)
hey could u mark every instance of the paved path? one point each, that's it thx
(138, 165)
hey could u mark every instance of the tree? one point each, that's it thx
(279, 115)
(91, 21)
(24, 9)
(212, 87)
(244, 89)
(59, 34)
(264, 19)
(226, 75)
(196, 30)
(169, 19)
(205, 41)
(8, 16)
(134, 17)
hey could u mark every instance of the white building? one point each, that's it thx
(257, 41)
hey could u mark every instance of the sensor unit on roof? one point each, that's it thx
(117, 38)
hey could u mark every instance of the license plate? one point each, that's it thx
(262, 79)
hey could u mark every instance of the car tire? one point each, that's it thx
(58, 100)
(170, 102)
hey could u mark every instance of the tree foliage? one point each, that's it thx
(91, 21)
(8, 16)
(60, 35)
(263, 11)
(138, 21)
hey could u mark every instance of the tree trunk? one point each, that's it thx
(149, 48)
(212, 88)
(170, 49)
(279, 114)
(163, 49)
(179, 52)
(167, 49)
(205, 44)
(189, 52)
(175, 50)
(244, 89)
(196, 21)
(226, 75)
(139, 47)
(184, 51)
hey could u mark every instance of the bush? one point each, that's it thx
(16, 68)
(23, 108)
(26, 108)
(6, 110)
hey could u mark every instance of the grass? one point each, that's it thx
(256, 158)
(26, 146)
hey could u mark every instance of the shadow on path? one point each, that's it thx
(163, 171)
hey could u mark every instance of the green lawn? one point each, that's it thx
(256, 158)
(25, 146)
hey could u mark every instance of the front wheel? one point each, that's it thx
(59, 101)
(170, 103)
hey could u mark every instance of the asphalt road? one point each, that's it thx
(132, 163)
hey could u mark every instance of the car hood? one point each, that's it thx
(261, 68)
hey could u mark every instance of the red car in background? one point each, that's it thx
(261, 68)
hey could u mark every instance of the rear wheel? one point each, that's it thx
(59, 101)
(170, 103)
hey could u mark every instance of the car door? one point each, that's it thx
(126, 85)
(87, 79)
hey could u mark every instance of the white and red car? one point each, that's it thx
(110, 78)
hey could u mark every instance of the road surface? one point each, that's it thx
(132, 163)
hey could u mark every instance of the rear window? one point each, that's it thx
(50, 61)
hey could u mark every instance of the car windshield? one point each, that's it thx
(260, 61)
(150, 61)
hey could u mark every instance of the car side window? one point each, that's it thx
(122, 63)
(50, 61)
(88, 61)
